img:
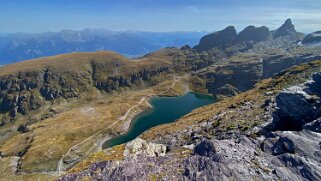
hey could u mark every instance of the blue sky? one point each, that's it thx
(155, 15)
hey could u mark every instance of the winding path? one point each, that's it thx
(122, 118)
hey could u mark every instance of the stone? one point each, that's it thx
(205, 148)
(140, 146)
(267, 145)
(314, 126)
(285, 174)
(283, 145)
(295, 108)
(290, 160)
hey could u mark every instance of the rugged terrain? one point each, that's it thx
(57, 111)
(255, 135)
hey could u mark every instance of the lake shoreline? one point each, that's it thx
(130, 123)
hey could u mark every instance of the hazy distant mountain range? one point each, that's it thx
(23, 46)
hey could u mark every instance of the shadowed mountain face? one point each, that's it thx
(250, 36)
(286, 29)
(17, 47)
(218, 39)
(252, 33)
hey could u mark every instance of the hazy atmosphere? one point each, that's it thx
(162, 15)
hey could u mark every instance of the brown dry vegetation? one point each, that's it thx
(47, 141)
(115, 153)
(8, 168)
(78, 126)
(80, 62)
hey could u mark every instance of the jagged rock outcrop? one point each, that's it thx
(231, 42)
(295, 155)
(236, 159)
(267, 54)
(314, 37)
(205, 148)
(219, 39)
(297, 106)
(286, 29)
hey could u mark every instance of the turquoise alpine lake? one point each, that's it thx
(164, 110)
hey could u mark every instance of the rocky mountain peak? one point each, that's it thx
(252, 33)
(288, 22)
(217, 39)
(286, 29)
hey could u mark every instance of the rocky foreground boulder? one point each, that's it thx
(205, 148)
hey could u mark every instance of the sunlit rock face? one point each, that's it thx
(140, 146)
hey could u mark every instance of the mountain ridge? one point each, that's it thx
(17, 47)
(67, 102)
